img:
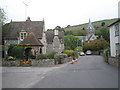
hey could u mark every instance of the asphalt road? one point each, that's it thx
(88, 72)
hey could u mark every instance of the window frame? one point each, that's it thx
(117, 29)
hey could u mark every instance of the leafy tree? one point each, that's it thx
(105, 33)
(2, 16)
(59, 28)
(71, 42)
(68, 26)
(15, 51)
(81, 33)
(103, 24)
(68, 33)
(96, 45)
(80, 48)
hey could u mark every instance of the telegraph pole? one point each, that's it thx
(25, 10)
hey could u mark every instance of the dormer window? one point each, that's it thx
(23, 34)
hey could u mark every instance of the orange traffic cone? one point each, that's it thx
(72, 62)
(76, 60)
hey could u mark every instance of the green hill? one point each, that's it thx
(80, 29)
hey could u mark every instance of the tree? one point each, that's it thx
(59, 28)
(71, 42)
(2, 16)
(105, 33)
(96, 45)
(68, 33)
(15, 51)
(103, 24)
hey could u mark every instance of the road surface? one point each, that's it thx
(89, 72)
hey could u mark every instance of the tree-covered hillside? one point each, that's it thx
(80, 29)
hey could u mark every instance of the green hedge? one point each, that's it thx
(45, 56)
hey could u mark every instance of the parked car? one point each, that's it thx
(88, 52)
(82, 54)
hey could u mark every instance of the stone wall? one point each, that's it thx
(115, 61)
(36, 63)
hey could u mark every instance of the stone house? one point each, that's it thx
(32, 35)
(115, 38)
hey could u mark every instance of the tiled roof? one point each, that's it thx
(31, 40)
(30, 26)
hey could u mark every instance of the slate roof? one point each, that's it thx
(31, 40)
(50, 36)
(114, 22)
(82, 37)
(30, 26)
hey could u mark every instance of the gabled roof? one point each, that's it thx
(31, 40)
(114, 22)
(90, 37)
(30, 26)
(50, 36)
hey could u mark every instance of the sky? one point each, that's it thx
(60, 12)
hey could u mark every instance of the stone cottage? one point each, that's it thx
(33, 36)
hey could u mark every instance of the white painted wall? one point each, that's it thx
(119, 9)
(113, 41)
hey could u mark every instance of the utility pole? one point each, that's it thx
(25, 10)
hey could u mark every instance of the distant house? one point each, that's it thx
(115, 38)
(90, 33)
(33, 36)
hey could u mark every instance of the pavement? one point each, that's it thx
(24, 77)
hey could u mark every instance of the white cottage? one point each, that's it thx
(115, 38)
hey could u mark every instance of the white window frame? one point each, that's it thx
(117, 29)
(23, 35)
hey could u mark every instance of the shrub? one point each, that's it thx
(51, 55)
(75, 54)
(41, 56)
(79, 48)
(60, 56)
(11, 58)
(69, 52)
(15, 51)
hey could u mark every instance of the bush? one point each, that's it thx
(15, 51)
(51, 55)
(79, 48)
(68, 52)
(60, 56)
(41, 56)
(75, 54)
(45, 56)
(11, 58)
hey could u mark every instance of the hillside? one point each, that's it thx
(77, 29)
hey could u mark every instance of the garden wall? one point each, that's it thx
(37, 63)
(115, 61)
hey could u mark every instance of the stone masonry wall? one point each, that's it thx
(36, 63)
(115, 61)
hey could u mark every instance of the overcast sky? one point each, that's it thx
(60, 12)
